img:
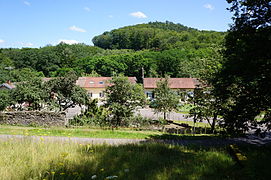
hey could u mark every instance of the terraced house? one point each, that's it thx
(182, 86)
(96, 86)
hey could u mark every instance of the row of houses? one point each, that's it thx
(96, 86)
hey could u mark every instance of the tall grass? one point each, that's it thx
(27, 159)
(39, 160)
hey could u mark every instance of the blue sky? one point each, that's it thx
(36, 23)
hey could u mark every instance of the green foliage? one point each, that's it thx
(18, 75)
(155, 49)
(244, 82)
(64, 93)
(122, 97)
(139, 121)
(161, 48)
(5, 99)
(166, 100)
(157, 35)
(206, 106)
(50, 58)
(30, 93)
(92, 116)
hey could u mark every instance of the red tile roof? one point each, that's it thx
(97, 82)
(174, 83)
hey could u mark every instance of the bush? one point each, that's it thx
(89, 121)
(139, 121)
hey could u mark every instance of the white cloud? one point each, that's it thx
(87, 9)
(68, 41)
(2, 41)
(110, 16)
(209, 6)
(27, 3)
(138, 14)
(74, 28)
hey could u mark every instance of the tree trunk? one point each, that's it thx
(213, 123)
(165, 117)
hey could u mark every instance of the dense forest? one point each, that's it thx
(155, 49)
(159, 36)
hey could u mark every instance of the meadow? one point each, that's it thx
(93, 132)
(27, 159)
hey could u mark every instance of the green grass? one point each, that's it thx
(77, 132)
(191, 123)
(122, 133)
(26, 159)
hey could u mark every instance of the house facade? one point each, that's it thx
(180, 85)
(96, 86)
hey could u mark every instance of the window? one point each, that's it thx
(91, 82)
(90, 94)
(150, 95)
(101, 82)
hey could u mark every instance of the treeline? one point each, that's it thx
(158, 36)
(174, 62)
(190, 57)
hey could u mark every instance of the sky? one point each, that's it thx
(37, 23)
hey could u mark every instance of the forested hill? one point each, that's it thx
(158, 48)
(167, 26)
(159, 36)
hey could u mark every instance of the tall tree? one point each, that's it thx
(64, 93)
(206, 106)
(245, 79)
(30, 92)
(166, 100)
(122, 98)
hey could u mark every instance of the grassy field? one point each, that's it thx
(122, 133)
(77, 132)
(38, 160)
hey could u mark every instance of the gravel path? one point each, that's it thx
(202, 142)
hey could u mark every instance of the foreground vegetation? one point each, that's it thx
(96, 132)
(38, 160)
(124, 133)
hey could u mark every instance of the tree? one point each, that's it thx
(5, 99)
(30, 92)
(206, 106)
(64, 93)
(157, 35)
(166, 100)
(122, 98)
(244, 82)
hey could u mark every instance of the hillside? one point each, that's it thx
(159, 36)
(158, 48)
